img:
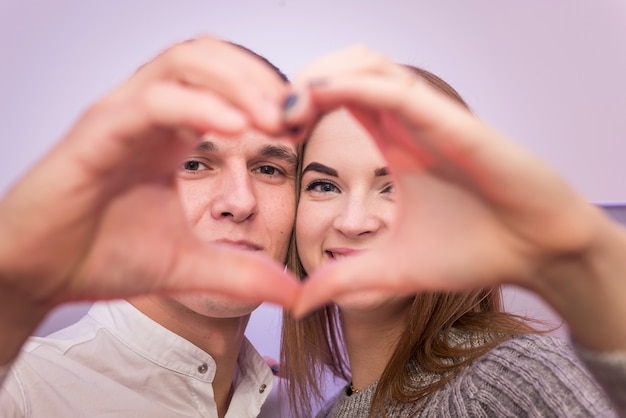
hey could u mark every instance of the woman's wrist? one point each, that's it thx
(588, 289)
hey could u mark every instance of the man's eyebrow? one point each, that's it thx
(207, 146)
(321, 168)
(380, 172)
(281, 152)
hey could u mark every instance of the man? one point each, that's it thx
(112, 213)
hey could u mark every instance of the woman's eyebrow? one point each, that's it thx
(380, 172)
(321, 168)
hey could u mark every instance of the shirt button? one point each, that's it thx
(203, 368)
(262, 388)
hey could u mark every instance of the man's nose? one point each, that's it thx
(235, 197)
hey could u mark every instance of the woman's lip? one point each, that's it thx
(342, 252)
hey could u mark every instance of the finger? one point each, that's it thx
(234, 273)
(233, 73)
(356, 61)
(162, 123)
(359, 273)
(352, 61)
(170, 105)
(366, 90)
(299, 116)
(376, 92)
(498, 167)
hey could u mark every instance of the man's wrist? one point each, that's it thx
(19, 318)
(4, 372)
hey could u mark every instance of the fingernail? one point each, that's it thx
(275, 369)
(294, 130)
(290, 102)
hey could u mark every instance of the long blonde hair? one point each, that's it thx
(313, 346)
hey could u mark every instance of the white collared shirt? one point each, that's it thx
(117, 362)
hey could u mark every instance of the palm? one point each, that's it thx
(466, 214)
(100, 216)
(128, 226)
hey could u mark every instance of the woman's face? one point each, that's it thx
(347, 201)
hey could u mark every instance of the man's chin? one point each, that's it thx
(217, 306)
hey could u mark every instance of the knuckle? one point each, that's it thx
(178, 55)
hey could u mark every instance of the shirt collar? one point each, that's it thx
(161, 346)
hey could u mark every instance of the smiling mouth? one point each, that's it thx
(340, 255)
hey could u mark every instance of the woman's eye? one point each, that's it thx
(193, 165)
(388, 188)
(322, 187)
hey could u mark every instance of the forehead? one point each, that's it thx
(249, 144)
(338, 136)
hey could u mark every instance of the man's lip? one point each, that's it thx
(241, 244)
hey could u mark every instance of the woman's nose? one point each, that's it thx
(359, 217)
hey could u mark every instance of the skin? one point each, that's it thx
(103, 205)
(521, 222)
(347, 206)
(236, 192)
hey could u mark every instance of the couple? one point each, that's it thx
(109, 214)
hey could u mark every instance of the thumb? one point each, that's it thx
(359, 273)
(235, 273)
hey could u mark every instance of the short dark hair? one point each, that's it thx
(262, 58)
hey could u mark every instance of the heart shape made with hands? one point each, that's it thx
(433, 212)
(474, 209)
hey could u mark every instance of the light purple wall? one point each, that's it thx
(549, 73)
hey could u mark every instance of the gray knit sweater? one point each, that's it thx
(526, 376)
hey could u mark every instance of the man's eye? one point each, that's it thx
(268, 170)
(193, 165)
(388, 188)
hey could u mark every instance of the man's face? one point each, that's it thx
(239, 192)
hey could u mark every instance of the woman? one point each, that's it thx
(431, 354)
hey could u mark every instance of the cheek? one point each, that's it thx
(389, 213)
(283, 213)
(311, 229)
(192, 199)
(279, 214)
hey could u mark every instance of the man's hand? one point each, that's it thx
(99, 217)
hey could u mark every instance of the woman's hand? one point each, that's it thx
(474, 208)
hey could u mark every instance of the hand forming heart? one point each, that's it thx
(99, 217)
(474, 209)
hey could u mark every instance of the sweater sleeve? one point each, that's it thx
(533, 376)
(609, 369)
